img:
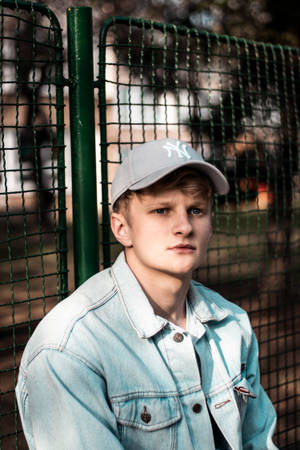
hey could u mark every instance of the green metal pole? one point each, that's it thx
(60, 136)
(104, 160)
(82, 127)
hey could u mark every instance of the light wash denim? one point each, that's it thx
(102, 371)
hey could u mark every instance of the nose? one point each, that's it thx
(182, 224)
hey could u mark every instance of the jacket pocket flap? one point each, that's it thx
(148, 413)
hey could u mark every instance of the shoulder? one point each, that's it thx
(213, 296)
(55, 329)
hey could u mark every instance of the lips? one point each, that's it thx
(182, 247)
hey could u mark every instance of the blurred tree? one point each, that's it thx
(267, 20)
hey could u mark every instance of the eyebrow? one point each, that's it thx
(165, 203)
(158, 204)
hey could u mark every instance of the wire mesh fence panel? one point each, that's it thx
(237, 102)
(33, 270)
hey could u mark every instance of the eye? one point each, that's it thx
(160, 211)
(196, 211)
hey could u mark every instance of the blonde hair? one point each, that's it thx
(190, 181)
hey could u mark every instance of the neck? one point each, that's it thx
(166, 292)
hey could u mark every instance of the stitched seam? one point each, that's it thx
(99, 302)
(143, 394)
(224, 386)
(156, 427)
(68, 353)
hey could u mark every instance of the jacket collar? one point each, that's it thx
(202, 303)
(139, 310)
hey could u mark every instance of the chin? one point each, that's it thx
(180, 271)
(184, 266)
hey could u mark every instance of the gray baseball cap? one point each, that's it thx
(149, 162)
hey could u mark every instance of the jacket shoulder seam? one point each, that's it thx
(84, 311)
(66, 352)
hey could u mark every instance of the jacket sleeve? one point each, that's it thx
(64, 405)
(260, 419)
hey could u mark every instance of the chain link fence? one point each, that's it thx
(33, 268)
(237, 102)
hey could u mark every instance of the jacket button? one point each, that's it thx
(145, 416)
(178, 337)
(196, 408)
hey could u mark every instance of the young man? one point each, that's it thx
(140, 356)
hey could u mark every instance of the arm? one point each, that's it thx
(65, 405)
(260, 419)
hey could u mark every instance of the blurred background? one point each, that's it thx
(208, 77)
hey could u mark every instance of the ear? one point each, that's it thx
(120, 229)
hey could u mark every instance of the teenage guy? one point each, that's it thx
(141, 357)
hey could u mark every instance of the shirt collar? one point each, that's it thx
(139, 310)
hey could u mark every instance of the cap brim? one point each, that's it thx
(218, 180)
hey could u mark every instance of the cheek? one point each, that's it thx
(205, 234)
(142, 235)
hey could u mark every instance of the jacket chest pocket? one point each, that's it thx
(148, 422)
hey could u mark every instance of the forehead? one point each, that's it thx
(169, 196)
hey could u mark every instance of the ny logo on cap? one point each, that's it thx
(180, 148)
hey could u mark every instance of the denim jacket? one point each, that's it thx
(94, 374)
